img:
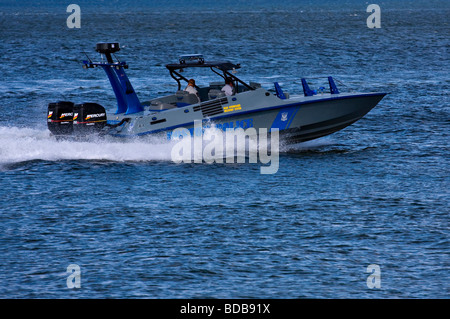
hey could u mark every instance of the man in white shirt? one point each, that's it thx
(191, 88)
(228, 88)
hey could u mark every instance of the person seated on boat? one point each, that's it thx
(191, 88)
(228, 88)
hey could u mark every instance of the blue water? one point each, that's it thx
(141, 226)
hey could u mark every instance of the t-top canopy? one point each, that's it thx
(221, 65)
(197, 61)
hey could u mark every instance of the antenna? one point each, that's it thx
(90, 61)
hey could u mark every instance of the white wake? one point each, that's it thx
(26, 144)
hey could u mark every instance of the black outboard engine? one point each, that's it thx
(88, 118)
(67, 118)
(60, 118)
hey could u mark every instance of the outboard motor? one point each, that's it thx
(60, 118)
(88, 118)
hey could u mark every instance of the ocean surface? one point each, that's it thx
(139, 225)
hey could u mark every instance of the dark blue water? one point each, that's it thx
(141, 226)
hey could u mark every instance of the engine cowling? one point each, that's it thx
(66, 118)
(60, 118)
(88, 118)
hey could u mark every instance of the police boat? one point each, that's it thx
(297, 118)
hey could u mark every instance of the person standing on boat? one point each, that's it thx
(228, 88)
(191, 88)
